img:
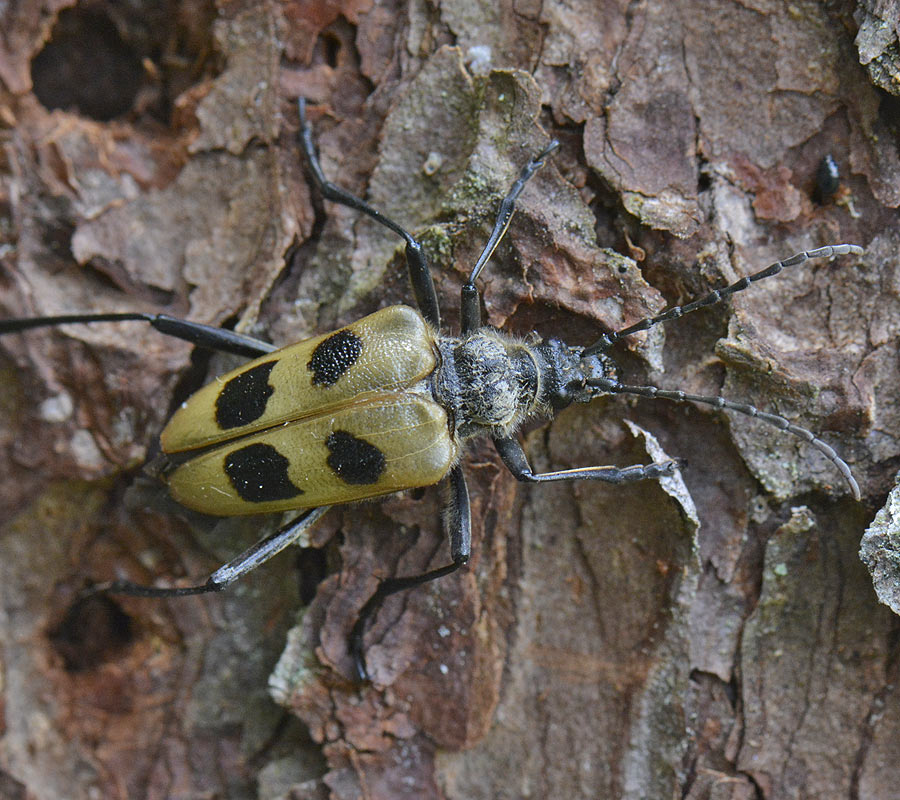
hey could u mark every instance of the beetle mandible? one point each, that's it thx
(387, 403)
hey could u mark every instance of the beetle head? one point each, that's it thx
(568, 373)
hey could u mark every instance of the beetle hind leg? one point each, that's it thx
(458, 522)
(208, 336)
(228, 573)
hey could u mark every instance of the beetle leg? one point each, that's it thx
(459, 526)
(208, 336)
(470, 302)
(517, 463)
(416, 262)
(227, 574)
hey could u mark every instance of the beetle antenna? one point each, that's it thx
(614, 387)
(508, 206)
(829, 251)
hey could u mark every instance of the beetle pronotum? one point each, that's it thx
(386, 404)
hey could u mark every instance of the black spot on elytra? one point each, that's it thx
(243, 399)
(258, 473)
(353, 460)
(333, 357)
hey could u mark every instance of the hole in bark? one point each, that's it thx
(889, 111)
(86, 66)
(104, 60)
(330, 48)
(94, 630)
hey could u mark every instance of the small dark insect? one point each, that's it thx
(828, 179)
(387, 403)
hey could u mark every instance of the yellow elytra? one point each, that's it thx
(332, 419)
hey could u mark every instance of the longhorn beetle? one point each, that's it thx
(386, 404)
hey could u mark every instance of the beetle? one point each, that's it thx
(387, 403)
(828, 179)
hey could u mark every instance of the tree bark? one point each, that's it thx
(709, 636)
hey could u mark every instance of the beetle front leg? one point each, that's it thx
(459, 525)
(517, 463)
(416, 262)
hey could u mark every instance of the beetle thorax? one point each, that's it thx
(487, 381)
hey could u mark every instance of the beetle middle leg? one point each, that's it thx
(470, 300)
(459, 525)
(517, 463)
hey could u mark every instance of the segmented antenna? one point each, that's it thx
(508, 206)
(614, 387)
(720, 294)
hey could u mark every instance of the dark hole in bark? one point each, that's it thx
(94, 630)
(86, 66)
(106, 60)
(330, 48)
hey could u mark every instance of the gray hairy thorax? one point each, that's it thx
(490, 383)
